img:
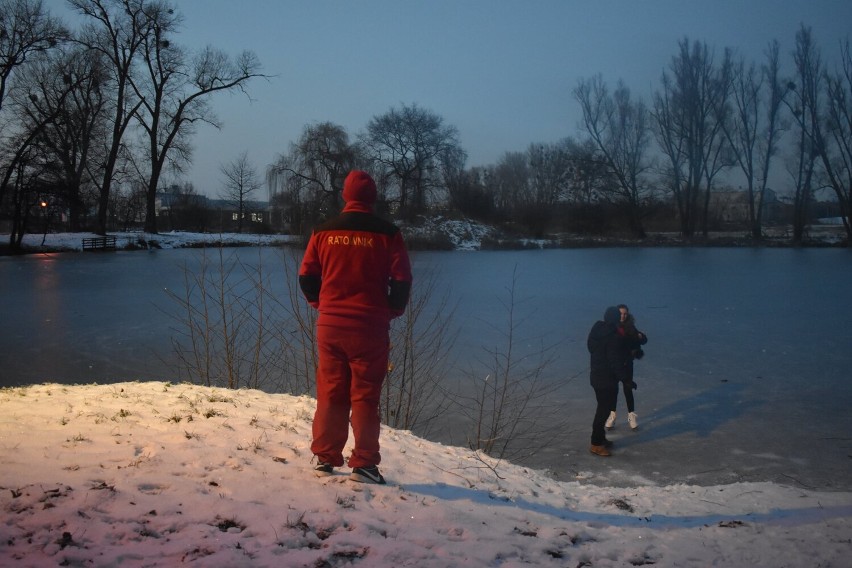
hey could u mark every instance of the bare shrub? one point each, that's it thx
(224, 321)
(413, 397)
(236, 331)
(295, 332)
(511, 412)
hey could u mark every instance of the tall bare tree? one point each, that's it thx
(26, 30)
(805, 104)
(837, 153)
(115, 29)
(620, 130)
(754, 127)
(240, 183)
(688, 127)
(72, 139)
(26, 166)
(453, 173)
(173, 93)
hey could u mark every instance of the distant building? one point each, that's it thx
(257, 215)
(193, 212)
(732, 208)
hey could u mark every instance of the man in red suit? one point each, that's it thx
(357, 273)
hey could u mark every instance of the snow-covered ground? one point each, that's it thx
(159, 474)
(135, 239)
(463, 234)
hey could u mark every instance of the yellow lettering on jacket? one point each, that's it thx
(350, 240)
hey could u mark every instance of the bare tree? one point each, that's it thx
(127, 205)
(537, 187)
(620, 130)
(806, 107)
(510, 181)
(226, 325)
(453, 173)
(550, 169)
(754, 127)
(688, 127)
(241, 181)
(115, 29)
(720, 155)
(837, 151)
(409, 145)
(551, 166)
(174, 96)
(26, 28)
(25, 178)
(310, 176)
(590, 181)
(71, 140)
(510, 411)
(421, 340)
(26, 164)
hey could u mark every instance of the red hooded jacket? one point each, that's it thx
(356, 269)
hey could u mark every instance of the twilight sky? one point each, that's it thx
(501, 71)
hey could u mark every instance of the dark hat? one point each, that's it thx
(359, 186)
(612, 315)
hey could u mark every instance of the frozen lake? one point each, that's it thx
(747, 373)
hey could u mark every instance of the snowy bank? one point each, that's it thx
(460, 235)
(159, 474)
(139, 240)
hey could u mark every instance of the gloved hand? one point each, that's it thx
(634, 386)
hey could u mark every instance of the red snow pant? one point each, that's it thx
(353, 363)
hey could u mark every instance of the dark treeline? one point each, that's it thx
(92, 119)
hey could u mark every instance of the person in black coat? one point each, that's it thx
(608, 367)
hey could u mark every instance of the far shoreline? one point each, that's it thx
(820, 236)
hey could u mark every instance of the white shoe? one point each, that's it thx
(631, 419)
(611, 420)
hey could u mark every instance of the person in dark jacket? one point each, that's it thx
(607, 368)
(632, 344)
(357, 273)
